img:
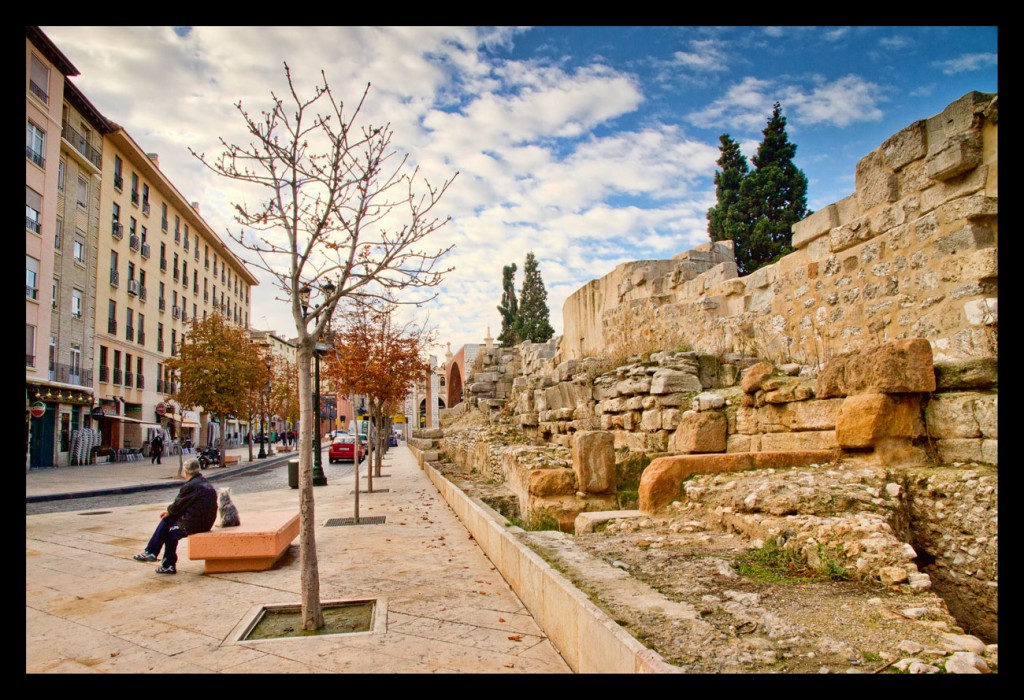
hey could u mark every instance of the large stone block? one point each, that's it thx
(817, 224)
(819, 414)
(754, 376)
(899, 366)
(874, 182)
(670, 381)
(905, 146)
(959, 154)
(552, 482)
(593, 461)
(865, 419)
(796, 441)
(699, 432)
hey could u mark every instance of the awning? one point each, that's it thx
(184, 423)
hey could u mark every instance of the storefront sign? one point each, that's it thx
(98, 412)
(38, 409)
(161, 409)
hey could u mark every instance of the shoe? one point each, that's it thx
(167, 570)
(145, 556)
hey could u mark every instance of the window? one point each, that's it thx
(177, 229)
(30, 345)
(53, 293)
(138, 373)
(31, 278)
(129, 324)
(39, 80)
(76, 303)
(83, 192)
(75, 371)
(135, 188)
(145, 196)
(58, 236)
(118, 177)
(141, 337)
(131, 271)
(53, 358)
(163, 216)
(33, 209)
(117, 367)
(79, 248)
(35, 145)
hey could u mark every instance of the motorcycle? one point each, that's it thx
(208, 457)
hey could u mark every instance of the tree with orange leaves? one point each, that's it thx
(375, 356)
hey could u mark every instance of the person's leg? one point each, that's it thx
(170, 560)
(159, 538)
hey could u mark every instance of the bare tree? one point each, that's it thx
(343, 216)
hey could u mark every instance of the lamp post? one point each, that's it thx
(265, 394)
(319, 478)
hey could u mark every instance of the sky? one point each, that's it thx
(589, 146)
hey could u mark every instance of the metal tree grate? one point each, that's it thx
(372, 520)
(352, 492)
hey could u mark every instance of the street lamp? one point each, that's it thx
(265, 394)
(319, 478)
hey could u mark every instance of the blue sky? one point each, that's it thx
(590, 146)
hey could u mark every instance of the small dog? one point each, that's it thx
(227, 509)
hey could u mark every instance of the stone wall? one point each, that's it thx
(911, 253)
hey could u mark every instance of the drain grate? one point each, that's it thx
(372, 520)
(96, 512)
(352, 493)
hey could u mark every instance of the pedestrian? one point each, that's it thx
(156, 446)
(193, 511)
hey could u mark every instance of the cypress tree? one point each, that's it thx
(757, 209)
(509, 308)
(725, 220)
(532, 322)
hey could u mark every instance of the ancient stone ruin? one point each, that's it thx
(872, 347)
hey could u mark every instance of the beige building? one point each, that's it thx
(160, 266)
(62, 165)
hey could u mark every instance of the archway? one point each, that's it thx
(454, 384)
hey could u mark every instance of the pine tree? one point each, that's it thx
(726, 220)
(532, 321)
(771, 198)
(509, 308)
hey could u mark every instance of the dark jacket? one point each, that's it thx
(196, 506)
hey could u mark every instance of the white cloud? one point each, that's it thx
(968, 62)
(706, 55)
(840, 103)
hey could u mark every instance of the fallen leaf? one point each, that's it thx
(516, 637)
(501, 619)
(508, 666)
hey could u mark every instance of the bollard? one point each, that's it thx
(293, 473)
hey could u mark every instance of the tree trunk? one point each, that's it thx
(312, 614)
(370, 451)
(223, 456)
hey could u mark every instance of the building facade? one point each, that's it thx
(160, 268)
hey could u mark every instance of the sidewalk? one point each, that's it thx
(91, 609)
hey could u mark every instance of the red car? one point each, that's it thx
(343, 448)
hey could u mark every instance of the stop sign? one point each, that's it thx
(161, 409)
(38, 409)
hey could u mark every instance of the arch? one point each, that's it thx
(454, 383)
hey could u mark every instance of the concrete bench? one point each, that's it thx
(255, 545)
(231, 459)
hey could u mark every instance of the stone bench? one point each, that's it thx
(231, 459)
(255, 545)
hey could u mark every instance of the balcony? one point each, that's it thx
(159, 348)
(176, 275)
(118, 182)
(35, 156)
(32, 224)
(162, 304)
(159, 385)
(184, 316)
(133, 287)
(81, 144)
(142, 293)
(171, 387)
(31, 292)
(163, 224)
(104, 374)
(111, 326)
(70, 374)
(196, 256)
(195, 288)
(145, 207)
(115, 278)
(118, 376)
(117, 230)
(145, 251)
(30, 360)
(206, 296)
(185, 244)
(174, 348)
(163, 264)
(129, 332)
(38, 92)
(142, 337)
(206, 263)
(140, 382)
(134, 242)
(128, 379)
(135, 197)
(175, 312)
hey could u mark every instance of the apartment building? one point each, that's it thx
(161, 267)
(63, 160)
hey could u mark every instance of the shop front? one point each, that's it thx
(55, 416)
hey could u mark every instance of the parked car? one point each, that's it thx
(343, 449)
